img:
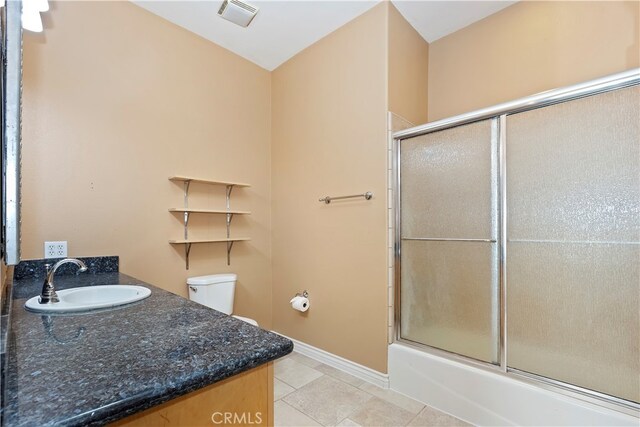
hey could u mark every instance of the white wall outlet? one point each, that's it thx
(55, 249)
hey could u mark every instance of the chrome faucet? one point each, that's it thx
(48, 295)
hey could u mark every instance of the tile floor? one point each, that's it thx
(309, 393)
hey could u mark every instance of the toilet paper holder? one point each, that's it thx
(304, 294)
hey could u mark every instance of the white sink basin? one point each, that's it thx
(90, 298)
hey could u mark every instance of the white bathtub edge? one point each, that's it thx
(482, 398)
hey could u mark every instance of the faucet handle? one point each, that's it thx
(47, 267)
(48, 295)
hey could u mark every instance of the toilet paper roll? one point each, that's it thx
(300, 303)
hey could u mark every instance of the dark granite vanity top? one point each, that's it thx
(95, 368)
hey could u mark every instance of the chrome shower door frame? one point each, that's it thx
(498, 114)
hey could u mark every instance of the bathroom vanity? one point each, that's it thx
(163, 360)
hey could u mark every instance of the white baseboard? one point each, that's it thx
(367, 374)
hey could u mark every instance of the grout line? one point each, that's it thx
(294, 389)
(303, 413)
(318, 421)
(358, 407)
(359, 371)
(413, 419)
(342, 381)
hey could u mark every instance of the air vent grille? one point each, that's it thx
(238, 12)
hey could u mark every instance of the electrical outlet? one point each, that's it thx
(55, 249)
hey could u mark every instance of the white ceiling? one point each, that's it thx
(436, 19)
(283, 28)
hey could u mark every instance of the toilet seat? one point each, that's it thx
(246, 319)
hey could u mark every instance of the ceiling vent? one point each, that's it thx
(238, 12)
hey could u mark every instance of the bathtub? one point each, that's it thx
(483, 397)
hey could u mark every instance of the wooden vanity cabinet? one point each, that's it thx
(245, 399)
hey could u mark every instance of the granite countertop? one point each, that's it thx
(95, 368)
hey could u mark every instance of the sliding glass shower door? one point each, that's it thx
(450, 291)
(573, 249)
(518, 238)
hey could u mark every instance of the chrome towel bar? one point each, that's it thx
(368, 195)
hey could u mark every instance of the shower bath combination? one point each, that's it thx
(518, 239)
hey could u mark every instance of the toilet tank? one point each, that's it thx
(215, 291)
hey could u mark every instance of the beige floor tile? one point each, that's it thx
(327, 400)
(349, 423)
(280, 389)
(378, 412)
(429, 417)
(305, 360)
(282, 359)
(391, 396)
(340, 375)
(285, 415)
(294, 373)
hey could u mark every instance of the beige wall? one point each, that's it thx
(408, 68)
(116, 100)
(110, 113)
(328, 132)
(528, 48)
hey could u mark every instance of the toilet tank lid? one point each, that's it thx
(211, 279)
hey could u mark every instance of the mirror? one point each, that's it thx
(11, 130)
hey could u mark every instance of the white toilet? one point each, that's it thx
(216, 291)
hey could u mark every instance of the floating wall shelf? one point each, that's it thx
(228, 212)
(188, 242)
(206, 181)
(209, 211)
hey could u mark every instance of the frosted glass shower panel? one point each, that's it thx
(574, 314)
(448, 296)
(449, 268)
(574, 169)
(573, 242)
(446, 183)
